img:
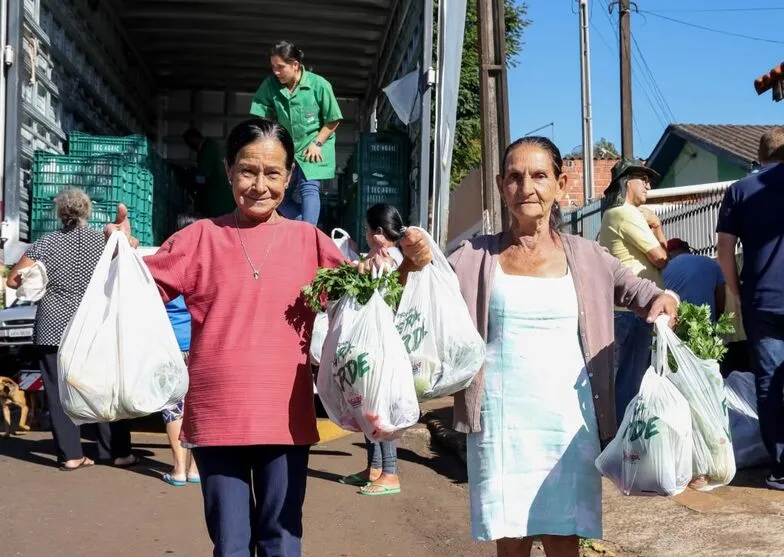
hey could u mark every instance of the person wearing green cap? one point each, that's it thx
(634, 236)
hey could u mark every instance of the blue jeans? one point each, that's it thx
(253, 498)
(382, 456)
(633, 336)
(303, 198)
(765, 335)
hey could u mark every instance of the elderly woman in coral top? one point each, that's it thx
(543, 405)
(249, 414)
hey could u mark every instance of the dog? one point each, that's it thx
(11, 394)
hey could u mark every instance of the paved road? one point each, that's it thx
(104, 511)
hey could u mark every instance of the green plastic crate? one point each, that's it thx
(136, 147)
(385, 153)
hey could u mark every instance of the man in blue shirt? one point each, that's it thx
(752, 213)
(697, 279)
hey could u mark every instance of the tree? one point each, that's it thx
(602, 149)
(468, 141)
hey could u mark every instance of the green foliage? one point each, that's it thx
(332, 284)
(467, 153)
(704, 337)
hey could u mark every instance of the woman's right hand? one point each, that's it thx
(121, 224)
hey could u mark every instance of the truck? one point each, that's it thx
(159, 67)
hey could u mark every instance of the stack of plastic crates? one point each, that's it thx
(378, 173)
(107, 179)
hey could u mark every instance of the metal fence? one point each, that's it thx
(690, 214)
(585, 221)
(694, 222)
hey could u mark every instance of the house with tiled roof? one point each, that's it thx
(690, 154)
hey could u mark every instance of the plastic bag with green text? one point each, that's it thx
(652, 453)
(445, 348)
(372, 370)
(701, 384)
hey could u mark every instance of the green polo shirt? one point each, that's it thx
(303, 113)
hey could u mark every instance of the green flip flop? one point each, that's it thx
(353, 480)
(379, 490)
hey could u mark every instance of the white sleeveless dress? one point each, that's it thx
(531, 469)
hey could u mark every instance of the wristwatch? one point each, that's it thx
(318, 143)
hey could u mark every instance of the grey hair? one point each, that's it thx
(73, 207)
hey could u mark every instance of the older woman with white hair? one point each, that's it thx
(70, 256)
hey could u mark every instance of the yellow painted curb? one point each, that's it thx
(329, 431)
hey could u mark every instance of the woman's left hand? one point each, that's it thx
(664, 304)
(415, 247)
(313, 153)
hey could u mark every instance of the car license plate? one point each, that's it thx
(19, 333)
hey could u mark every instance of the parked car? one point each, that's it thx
(16, 324)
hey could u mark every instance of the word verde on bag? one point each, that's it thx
(411, 328)
(349, 367)
(641, 428)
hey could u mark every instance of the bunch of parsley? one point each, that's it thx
(704, 337)
(332, 284)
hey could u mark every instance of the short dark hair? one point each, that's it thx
(288, 52)
(185, 219)
(550, 148)
(385, 217)
(256, 129)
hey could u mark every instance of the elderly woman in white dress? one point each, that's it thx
(542, 407)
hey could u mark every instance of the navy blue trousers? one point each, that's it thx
(253, 498)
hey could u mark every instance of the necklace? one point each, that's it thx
(245, 251)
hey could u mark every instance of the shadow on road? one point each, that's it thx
(751, 477)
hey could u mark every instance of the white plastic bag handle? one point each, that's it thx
(439, 259)
(663, 338)
(343, 233)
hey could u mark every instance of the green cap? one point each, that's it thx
(624, 167)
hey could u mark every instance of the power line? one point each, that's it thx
(718, 10)
(711, 29)
(665, 105)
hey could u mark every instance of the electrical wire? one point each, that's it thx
(713, 30)
(667, 110)
(718, 10)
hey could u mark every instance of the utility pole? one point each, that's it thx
(624, 22)
(494, 102)
(585, 81)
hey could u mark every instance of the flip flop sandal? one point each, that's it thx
(169, 479)
(83, 464)
(353, 480)
(194, 479)
(379, 490)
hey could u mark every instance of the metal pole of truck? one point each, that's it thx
(494, 102)
(585, 80)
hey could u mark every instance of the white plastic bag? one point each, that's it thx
(700, 382)
(343, 240)
(744, 421)
(652, 453)
(341, 315)
(320, 330)
(119, 358)
(34, 281)
(445, 348)
(321, 323)
(372, 370)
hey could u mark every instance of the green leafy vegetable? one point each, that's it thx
(700, 333)
(331, 284)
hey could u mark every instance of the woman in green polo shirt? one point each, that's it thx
(304, 104)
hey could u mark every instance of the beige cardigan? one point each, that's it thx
(601, 283)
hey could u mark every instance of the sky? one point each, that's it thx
(704, 77)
